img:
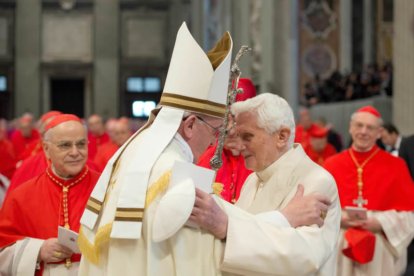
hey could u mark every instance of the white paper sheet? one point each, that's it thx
(202, 178)
(68, 238)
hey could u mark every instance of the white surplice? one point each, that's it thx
(390, 255)
(20, 259)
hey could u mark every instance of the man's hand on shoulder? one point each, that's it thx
(208, 215)
(306, 210)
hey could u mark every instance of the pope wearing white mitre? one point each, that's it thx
(134, 222)
(116, 235)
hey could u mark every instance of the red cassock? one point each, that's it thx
(104, 154)
(320, 157)
(35, 209)
(387, 185)
(32, 149)
(95, 143)
(32, 167)
(232, 173)
(7, 159)
(302, 135)
(386, 180)
(21, 143)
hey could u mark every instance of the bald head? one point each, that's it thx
(26, 124)
(122, 132)
(305, 118)
(110, 126)
(96, 125)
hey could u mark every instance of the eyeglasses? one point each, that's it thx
(67, 145)
(216, 130)
(360, 125)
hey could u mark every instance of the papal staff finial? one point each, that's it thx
(235, 73)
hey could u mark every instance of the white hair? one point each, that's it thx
(273, 112)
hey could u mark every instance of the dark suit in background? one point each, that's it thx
(406, 152)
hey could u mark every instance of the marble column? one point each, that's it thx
(27, 57)
(292, 50)
(345, 24)
(240, 29)
(197, 19)
(368, 27)
(403, 59)
(284, 73)
(105, 97)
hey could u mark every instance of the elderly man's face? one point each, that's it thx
(318, 143)
(365, 129)
(26, 129)
(200, 131)
(122, 133)
(95, 125)
(67, 148)
(259, 148)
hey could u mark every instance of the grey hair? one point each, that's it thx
(273, 113)
(380, 121)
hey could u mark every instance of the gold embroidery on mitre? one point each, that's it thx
(193, 104)
(220, 50)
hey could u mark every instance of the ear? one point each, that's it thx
(187, 127)
(283, 136)
(46, 148)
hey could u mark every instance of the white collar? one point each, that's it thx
(188, 153)
(398, 142)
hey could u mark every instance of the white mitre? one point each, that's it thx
(196, 81)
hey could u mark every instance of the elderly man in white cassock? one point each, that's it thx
(133, 222)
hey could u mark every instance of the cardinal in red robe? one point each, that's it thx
(7, 159)
(32, 213)
(35, 146)
(233, 172)
(318, 148)
(24, 135)
(368, 177)
(119, 135)
(97, 136)
(304, 127)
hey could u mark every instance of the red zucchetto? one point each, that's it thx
(57, 120)
(318, 132)
(49, 115)
(249, 91)
(370, 109)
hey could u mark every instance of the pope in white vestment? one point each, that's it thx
(270, 250)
